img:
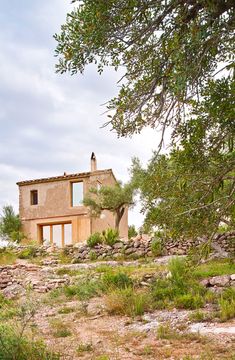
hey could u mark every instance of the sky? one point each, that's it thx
(50, 123)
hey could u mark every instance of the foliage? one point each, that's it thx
(156, 247)
(28, 253)
(132, 231)
(15, 346)
(113, 198)
(179, 289)
(118, 280)
(83, 289)
(214, 268)
(127, 301)
(168, 51)
(10, 225)
(94, 239)
(227, 305)
(179, 75)
(60, 329)
(7, 256)
(92, 255)
(111, 236)
(84, 347)
(190, 191)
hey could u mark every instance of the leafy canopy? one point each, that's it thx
(113, 198)
(191, 191)
(169, 49)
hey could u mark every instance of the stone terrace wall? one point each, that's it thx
(140, 246)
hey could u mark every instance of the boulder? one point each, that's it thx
(220, 280)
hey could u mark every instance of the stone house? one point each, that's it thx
(52, 212)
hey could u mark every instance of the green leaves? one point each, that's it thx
(169, 51)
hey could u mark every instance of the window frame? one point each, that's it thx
(32, 197)
(71, 193)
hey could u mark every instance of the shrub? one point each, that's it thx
(189, 301)
(128, 302)
(94, 239)
(156, 247)
(132, 231)
(16, 346)
(28, 253)
(110, 236)
(7, 256)
(60, 329)
(227, 304)
(92, 255)
(119, 280)
(83, 289)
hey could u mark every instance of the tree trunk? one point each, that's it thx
(119, 215)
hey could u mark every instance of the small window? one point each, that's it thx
(77, 193)
(34, 197)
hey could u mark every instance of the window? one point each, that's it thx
(77, 193)
(98, 185)
(34, 197)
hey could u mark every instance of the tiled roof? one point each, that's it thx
(64, 177)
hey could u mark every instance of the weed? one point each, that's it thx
(70, 272)
(84, 347)
(165, 331)
(28, 253)
(214, 268)
(7, 257)
(14, 345)
(60, 329)
(156, 247)
(115, 280)
(189, 301)
(227, 304)
(128, 302)
(83, 289)
(92, 255)
(66, 310)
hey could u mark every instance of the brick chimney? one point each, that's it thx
(93, 162)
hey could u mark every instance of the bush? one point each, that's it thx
(227, 304)
(128, 302)
(92, 255)
(180, 289)
(94, 240)
(189, 301)
(156, 247)
(15, 346)
(28, 253)
(132, 231)
(110, 236)
(84, 289)
(118, 280)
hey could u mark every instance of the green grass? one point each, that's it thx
(60, 328)
(128, 302)
(214, 268)
(15, 346)
(84, 347)
(227, 304)
(7, 257)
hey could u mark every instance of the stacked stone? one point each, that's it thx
(217, 283)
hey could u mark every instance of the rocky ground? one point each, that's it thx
(84, 328)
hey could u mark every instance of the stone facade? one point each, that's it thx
(46, 205)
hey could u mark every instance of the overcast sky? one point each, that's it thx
(50, 123)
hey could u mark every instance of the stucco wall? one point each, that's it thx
(54, 207)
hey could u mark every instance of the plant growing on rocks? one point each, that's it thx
(94, 239)
(110, 236)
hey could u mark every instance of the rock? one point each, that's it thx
(129, 251)
(205, 282)
(232, 277)
(118, 245)
(13, 291)
(220, 280)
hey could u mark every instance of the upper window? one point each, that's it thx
(34, 197)
(77, 193)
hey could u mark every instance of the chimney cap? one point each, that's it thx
(92, 155)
